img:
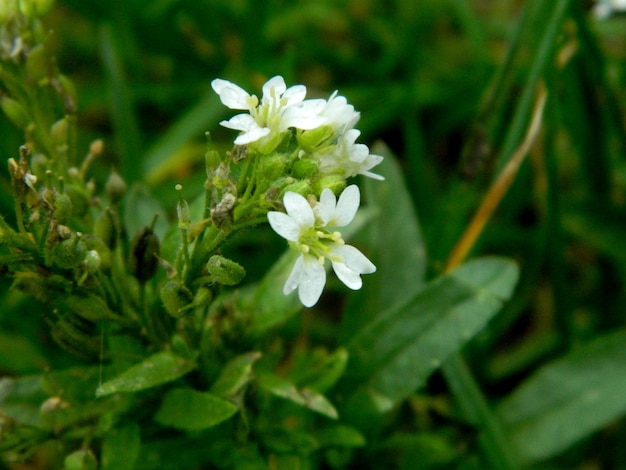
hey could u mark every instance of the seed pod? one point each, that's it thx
(311, 139)
(144, 252)
(271, 167)
(15, 112)
(301, 187)
(69, 253)
(62, 208)
(175, 297)
(115, 187)
(106, 227)
(225, 271)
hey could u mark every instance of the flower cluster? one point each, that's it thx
(308, 148)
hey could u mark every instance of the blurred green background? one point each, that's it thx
(447, 85)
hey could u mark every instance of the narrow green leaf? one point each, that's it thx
(190, 410)
(120, 448)
(569, 398)
(305, 397)
(395, 353)
(158, 369)
(235, 375)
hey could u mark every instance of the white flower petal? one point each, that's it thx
(299, 209)
(231, 95)
(294, 95)
(295, 277)
(354, 259)
(284, 225)
(254, 134)
(326, 207)
(347, 206)
(240, 122)
(313, 281)
(350, 278)
(274, 87)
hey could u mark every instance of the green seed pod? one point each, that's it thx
(301, 187)
(15, 112)
(225, 271)
(304, 168)
(62, 208)
(59, 133)
(115, 187)
(203, 297)
(81, 460)
(144, 252)
(107, 227)
(69, 253)
(94, 243)
(175, 297)
(336, 183)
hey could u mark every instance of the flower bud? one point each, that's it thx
(301, 187)
(69, 253)
(115, 187)
(15, 112)
(37, 64)
(225, 271)
(203, 297)
(336, 183)
(304, 168)
(182, 210)
(175, 297)
(270, 168)
(81, 460)
(144, 251)
(310, 139)
(94, 243)
(59, 134)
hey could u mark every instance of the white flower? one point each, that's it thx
(280, 108)
(349, 158)
(605, 8)
(307, 230)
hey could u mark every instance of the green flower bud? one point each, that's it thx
(81, 460)
(336, 183)
(304, 168)
(115, 187)
(37, 64)
(313, 138)
(69, 253)
(80, 199)
(271, 167)
(182, 210)
(175, 297)
(225, 271)
(59, 133)
(144, 252)
(301, 187)
(15, 112)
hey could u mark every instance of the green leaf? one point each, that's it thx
(305, 397)
(17, 354)
(394, 243)
(158, 369)
(235, 375)
(395, 353)
(190, 410)
(569, 398)
(120, 448)
(340, 436)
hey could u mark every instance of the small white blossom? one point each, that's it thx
(280, 108)
(605, 8)
(308, 231)
(349, 158)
